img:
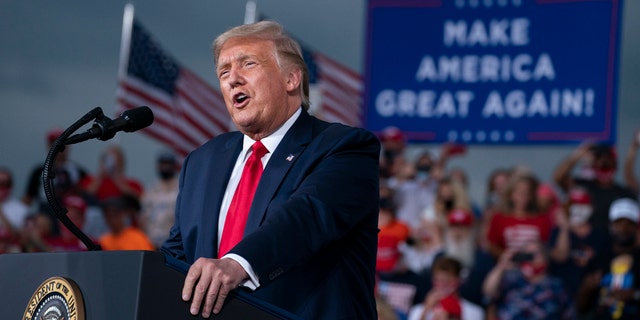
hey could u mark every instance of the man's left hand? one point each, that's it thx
(210, 281)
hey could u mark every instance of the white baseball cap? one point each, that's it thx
(624, 208)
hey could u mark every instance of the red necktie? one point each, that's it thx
(242, 199)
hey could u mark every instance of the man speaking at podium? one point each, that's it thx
(287, 207)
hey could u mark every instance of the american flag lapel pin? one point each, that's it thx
(290, 157)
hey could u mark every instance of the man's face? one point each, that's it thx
(257, 93)
(623, 232)
(604, 168)
(445, 282)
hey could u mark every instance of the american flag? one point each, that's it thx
(187, 110)
(339, 89)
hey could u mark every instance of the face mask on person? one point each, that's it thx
(530, 270)
(623, 239)
(425, 168)
(448, 204)
(604, 174)
(579, 213)
(166, 174)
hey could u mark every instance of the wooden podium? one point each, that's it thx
(105, 285)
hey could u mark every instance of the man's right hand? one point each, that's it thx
(210, 281)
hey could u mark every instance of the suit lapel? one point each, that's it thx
(283, 158)
(223, 162)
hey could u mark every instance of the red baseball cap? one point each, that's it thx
(579, 196)
(460, 217)
(392, 134)
(53, 134)
(76, 202)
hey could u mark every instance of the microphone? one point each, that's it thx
(104, 128)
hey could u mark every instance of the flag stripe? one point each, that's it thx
(206, 96)
(160, 125)
(339, 109)
(181, 128)
(341, 91)
(162, 135)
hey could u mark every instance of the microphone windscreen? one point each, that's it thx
(137, 118)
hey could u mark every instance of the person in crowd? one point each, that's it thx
(574, 243)
(393, 143)
(398, 285)
(519, 286)
(450, 195)
(548, 200)
(12, 213)
(520, 221)
(410, 194)
(110, 179)
(122, 235)
(603, 187)
(497, 183)
(629, 172)
(611, 287)
(459, 237)
(308, 243)
(67, 174)
(35, 232)
(420, 250)
(398, 263)
(159, 200)
(67, 241)
(392, 233)
(9, 236)
(459, 175)
(443, 301)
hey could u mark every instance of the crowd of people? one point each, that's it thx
(115, 210)
(567, 248)
(534, 249)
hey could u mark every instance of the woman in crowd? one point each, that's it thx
(520, 220)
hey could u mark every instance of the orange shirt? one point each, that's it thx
(129, 239)
(396, 229)
(389, 237)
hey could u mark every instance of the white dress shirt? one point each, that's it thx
(270, 142)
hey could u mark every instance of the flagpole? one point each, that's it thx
(250, 12)
(125, 44)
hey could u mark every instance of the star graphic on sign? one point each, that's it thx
(290, 157)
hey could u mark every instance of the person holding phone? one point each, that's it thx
(574, 242)
(519, 286)
(600, 182)
(110, 179)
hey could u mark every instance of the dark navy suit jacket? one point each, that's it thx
(312, 229)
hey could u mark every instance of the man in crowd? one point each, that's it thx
(611, 288)
(598, 179)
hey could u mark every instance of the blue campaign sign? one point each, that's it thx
(493, 71)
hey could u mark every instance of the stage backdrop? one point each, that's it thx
(493, 71)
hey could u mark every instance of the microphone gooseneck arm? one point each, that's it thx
(48, 176)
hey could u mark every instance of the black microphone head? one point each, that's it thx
(138, 118)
